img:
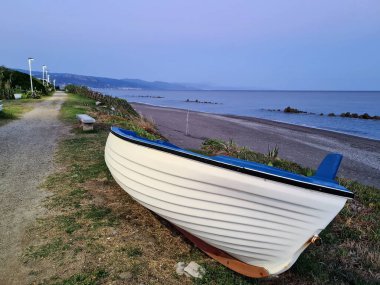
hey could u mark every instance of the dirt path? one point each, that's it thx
(306, 146)
(26, 158)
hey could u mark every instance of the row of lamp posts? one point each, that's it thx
(45, 75)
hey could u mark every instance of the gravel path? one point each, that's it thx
(306, 146)
(26, 158)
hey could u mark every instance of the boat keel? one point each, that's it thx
(226, 259)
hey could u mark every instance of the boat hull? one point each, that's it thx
(258, 221)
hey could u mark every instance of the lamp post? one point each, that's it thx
(48, 78)
(43, 74)
(30, 59)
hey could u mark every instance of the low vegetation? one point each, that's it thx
(13, 109)
(12, 81)
(94, 233)
(118, 106)
(230, 148)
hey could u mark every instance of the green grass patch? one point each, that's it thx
(97, 213)
(76, 104)
(68, 223)
(71, 199)
(132, 251)
(100, 216)
(91, 278)
(7, 115)
(55, 246)
(14, 109)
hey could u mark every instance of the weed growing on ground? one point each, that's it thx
(133, 251)
(55, 246)
(91, 278)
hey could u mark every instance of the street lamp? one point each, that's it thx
(43, 74)
(30, 59)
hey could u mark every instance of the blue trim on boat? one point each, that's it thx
(322, 182)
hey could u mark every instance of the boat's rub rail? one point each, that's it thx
(180, 152)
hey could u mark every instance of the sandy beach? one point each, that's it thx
(306, 146)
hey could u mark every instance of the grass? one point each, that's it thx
(91, 278)
(55, 246)
(230, 148)
(73, 105)
(14, 109)
(133, 251)
(94, 233)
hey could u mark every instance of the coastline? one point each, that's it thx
(257, 119)
(304, 145)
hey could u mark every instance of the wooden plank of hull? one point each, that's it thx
(226, 259)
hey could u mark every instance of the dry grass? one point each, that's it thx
(94, 226)
(146, 124)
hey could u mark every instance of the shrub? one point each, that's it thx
(12, 81)
(120, 106)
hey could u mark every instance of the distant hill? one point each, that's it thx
(63, 79)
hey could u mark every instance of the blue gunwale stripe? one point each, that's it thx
(268, 172)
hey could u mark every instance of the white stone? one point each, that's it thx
(179, 268)
(97, 103)
(195, 270)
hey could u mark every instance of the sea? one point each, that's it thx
(260, 104)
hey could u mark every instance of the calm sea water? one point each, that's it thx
(257, 103)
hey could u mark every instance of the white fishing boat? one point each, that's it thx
(253, 218)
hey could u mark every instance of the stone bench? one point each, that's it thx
(86, 122)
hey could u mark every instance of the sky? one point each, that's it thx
(242, 44)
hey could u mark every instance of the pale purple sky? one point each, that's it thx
(293, 44)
